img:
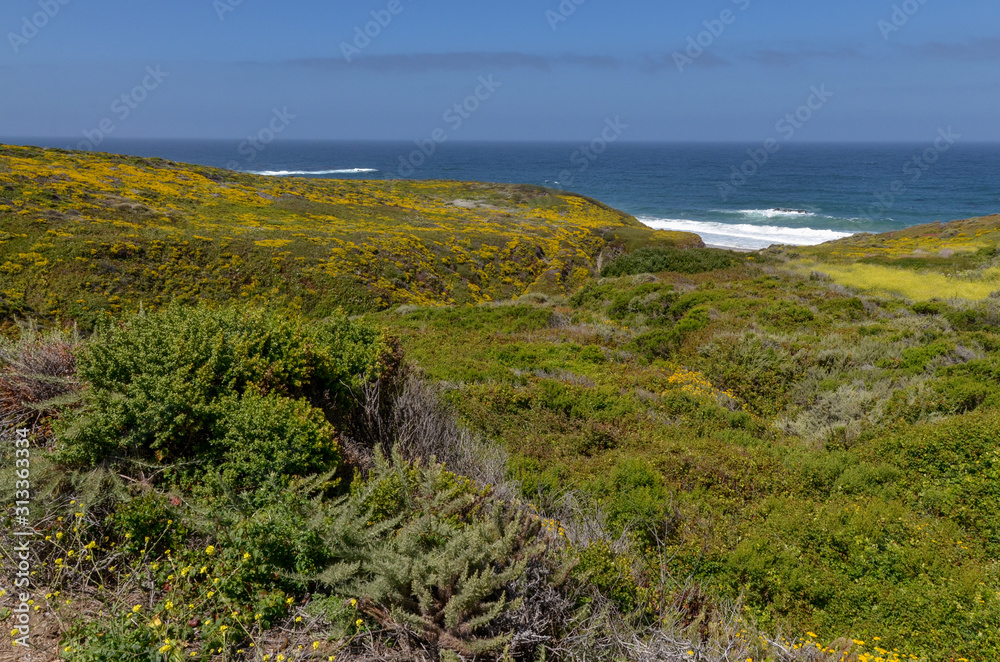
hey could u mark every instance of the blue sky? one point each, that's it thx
(558, 70)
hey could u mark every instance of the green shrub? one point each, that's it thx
(871, 566)
(694, 299)
(946, 396)
(817, 473)
(261, 436)
(245, 392)
(657, 259)
(756, 369)
(146, 522)
(663, 343)
(929, 307)
(448, 572)
(867, 479)
(957, 456)
(610, 573)
(915, 360)
(983, 316)
(786, 315)
(650, 299)
(636, 499)
(595, 438)
(113, 638)
(851, 308)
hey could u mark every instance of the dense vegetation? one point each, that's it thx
(83, 234)
(697, 454)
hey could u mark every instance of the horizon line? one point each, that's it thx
(19, 141)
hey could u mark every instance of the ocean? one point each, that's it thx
(733, 195)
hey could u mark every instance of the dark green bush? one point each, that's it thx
(263, 435)
(650, 299)
(979, 317)
(851, 308)
(636, 500)
(656, 259)
(242, 392)
(786, 316)
(663, 343)
(929, 307)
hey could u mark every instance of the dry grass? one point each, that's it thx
(37, 372)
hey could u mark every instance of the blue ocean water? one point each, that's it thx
(731, 194)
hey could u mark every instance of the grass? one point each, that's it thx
(921, 285)
(956, 260)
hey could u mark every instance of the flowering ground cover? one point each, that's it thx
(86, 233)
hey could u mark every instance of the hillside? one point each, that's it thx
(939, 260)
(637, 448)
(84, 233)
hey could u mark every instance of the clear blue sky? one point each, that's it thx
(934, 67)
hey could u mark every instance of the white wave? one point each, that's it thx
(768, 213)
(288, 173)
(744, 235)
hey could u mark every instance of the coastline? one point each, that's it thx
(736, 249)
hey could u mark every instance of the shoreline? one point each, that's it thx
(735, 249)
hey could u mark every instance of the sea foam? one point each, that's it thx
(741, 235)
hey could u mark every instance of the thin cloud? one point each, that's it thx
(657, 63)
(775, 58)
(978, 49)
(423, 62)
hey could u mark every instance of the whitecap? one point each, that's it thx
(775, 212)
(289, 173)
